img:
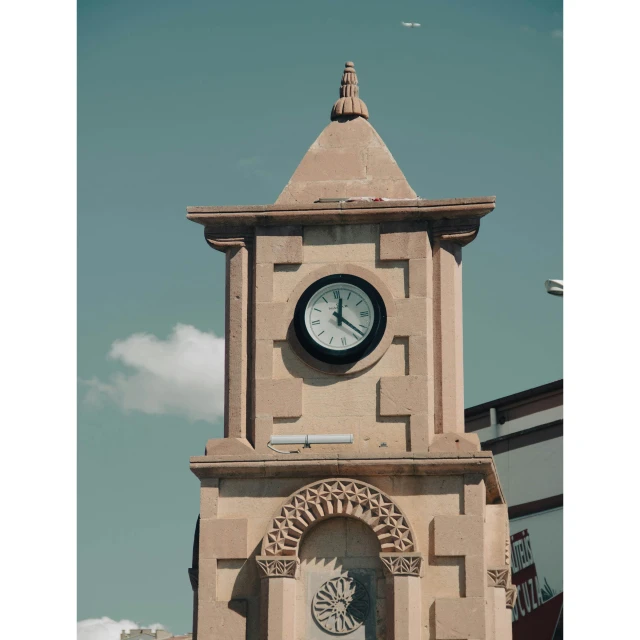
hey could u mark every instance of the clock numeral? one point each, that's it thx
(344, 341)
(316, 309)
(325, 299)
(361, 301)
(316, 322)
(355, 336)
(350, 292)
(363, 314)
(320, 333)
(364, 326)
(336, 293)
(330, 341)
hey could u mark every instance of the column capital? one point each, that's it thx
(499, 577)
(511, 594)
(460, 231)
(402, 564)
(278, 566)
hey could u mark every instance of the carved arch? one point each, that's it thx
(338, 497)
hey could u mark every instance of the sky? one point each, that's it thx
(197, 102)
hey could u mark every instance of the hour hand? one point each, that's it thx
(348, 324)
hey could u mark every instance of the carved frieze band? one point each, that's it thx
(461, 231)
(278, 567)
(226, 241)
(402, 564)
(328, 498)
(499, 578)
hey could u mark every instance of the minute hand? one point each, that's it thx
(347, 323)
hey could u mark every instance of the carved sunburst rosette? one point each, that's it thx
(341, 605)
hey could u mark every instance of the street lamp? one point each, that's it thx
(554, 287)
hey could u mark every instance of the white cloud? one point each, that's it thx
(108, 629)
(556, 33)
(182, 375)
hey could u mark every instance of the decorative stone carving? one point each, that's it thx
(460, 231)
(225, 242)
(511, 595)
(409, 564)
(341, 605)
(499, 578)
(328, 498)
(278, 567)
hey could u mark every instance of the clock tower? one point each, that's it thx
(344, 320)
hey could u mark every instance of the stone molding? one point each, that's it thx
(500, 577)
(224, 242)
(461, 231)
(365, 465)
(275, 567)
(511, 597)
(250, 216)
(338, 497)
(402, 564)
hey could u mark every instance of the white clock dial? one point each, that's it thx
(339, 316)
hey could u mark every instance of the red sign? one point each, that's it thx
(534, 618)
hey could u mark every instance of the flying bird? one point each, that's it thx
(411, 25)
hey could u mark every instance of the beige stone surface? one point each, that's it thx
(348, 159)
(279, 398)
(412, 316)
(447, 274)
(222, 619)
(370, 434)
(224, 538)
(496, 534)
(458, 535)
(286, 364)
(393, 274)
(281, 245)
(264, 282)
(358, 243)
(402, 396)
(271, 322)
(278, 598)
(237, 579)
(459, 619)
(209, 497)
(400, 242)
(454, 442)
(228, 446)
(406, 619)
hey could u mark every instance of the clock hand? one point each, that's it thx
(339, 311)
(347, 323)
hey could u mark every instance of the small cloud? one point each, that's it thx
(556, 33)
(182, 375)
(108, 629)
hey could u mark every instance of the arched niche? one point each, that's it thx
(338, 496)
(307, 518)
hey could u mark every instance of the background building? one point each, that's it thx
(524, 433)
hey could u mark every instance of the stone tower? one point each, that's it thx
(401, 534)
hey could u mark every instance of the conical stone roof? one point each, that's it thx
(348, 159)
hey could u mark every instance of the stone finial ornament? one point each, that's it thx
(349, 104)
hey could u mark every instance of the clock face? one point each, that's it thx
(340, 318)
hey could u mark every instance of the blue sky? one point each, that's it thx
(193, 103)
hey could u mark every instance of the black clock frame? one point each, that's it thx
(348, 356)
